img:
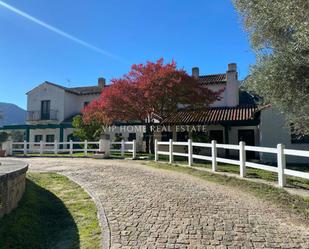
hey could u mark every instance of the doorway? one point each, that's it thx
(247, 136)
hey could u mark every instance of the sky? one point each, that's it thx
(74, 42)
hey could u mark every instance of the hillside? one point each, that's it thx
(12, 114)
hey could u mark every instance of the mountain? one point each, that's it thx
(11, 114)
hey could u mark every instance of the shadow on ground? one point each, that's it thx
(40, 221)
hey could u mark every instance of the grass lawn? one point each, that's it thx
(294, 182)
(53, 213)
(278, 196)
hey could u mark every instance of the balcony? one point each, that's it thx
(39, 116)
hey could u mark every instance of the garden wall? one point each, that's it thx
(12, 184)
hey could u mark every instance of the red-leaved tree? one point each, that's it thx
(148, 89)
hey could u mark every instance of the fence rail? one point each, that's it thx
(68, 147)
(280, 151)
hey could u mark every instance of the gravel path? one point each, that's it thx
(153, 208)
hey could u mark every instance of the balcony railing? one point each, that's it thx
(38, 115)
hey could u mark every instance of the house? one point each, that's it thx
(234, 117)
(51, 108)
(237, 116)
(273, 129)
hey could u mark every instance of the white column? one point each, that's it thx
(71, 147)
(134, 149)
(242, 159)
(56, 147)
(122, 148)
(41, 147)
(156, 150)
(101, 145)
(190, 152)
(171, 151)
(281, 165)
(25, 147)
(10, 148)
(214, 155)
(85, 147)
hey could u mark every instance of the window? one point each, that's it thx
(299, 139)
(216, 135)
(132, 136)
(38, 138)
(50, 138)
(200, 136)
(45, 109)
(182, 136)
(166, 135)
(86, 103)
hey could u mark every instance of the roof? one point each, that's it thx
(84, 90)
(246, 98)
(214, 115)
(213, 79)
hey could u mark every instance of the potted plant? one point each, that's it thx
(3, 138)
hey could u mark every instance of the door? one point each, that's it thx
(45, 110)
(247, 136)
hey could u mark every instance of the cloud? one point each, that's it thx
(60, 32)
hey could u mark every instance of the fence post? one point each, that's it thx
(134, 149)
(281, 165)
(214, 155)
(156, 150)
(85, 147)
(171, 151)
(56, 147)
(190, 152)
(25, 147)
(122, 148)
(242, 159)
(71, 147)
(41, 147)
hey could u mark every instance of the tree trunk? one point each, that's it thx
(149, 139)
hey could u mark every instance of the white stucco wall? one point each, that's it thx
(66, 104)
(216, 88)
(230, 96)
(75, 103)
(43, 132)
(273, 130)
(46, 92)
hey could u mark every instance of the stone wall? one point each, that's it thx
(12, 184)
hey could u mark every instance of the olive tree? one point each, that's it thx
(279, 34)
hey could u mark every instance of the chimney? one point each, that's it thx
(232, 85)
(195, 72)
(232, 67)
(101, 82)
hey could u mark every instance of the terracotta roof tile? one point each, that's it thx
(84, 90)
(213, 115)
(213, 79)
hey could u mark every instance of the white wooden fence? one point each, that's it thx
(280, 151)
(68, 147)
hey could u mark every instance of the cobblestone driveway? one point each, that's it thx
(152, 208)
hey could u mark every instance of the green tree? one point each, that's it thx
(279, 33)
(90, 131)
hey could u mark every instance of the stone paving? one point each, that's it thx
(152, 208)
